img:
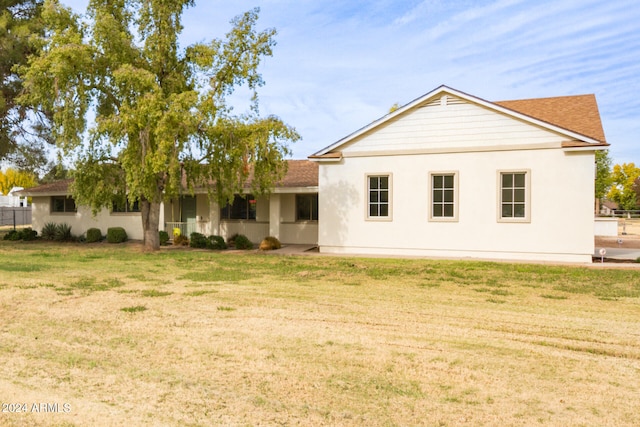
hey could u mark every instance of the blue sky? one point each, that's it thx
(339, 65)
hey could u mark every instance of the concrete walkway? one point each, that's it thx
(618, 253)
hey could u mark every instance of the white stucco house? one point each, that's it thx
(453, 175)
(447, 175)
(290, 212)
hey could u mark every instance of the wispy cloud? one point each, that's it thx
(339, 65)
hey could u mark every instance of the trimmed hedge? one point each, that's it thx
(198, 240)
(116, 235)
(270, 243)
(94, 235)
(242, 242)
(164, 238)
(217, 242)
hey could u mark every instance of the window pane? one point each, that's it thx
(373, 182)
(437, 181)
(507, 211)
(507, 195)
(373, 196)
(437, 210)
(518, 210)
(373, 210)
(253, 203)
(437, 196)
(519, 180)
(507, 180)
(384, 182)
(448, 196)
(518, 195)
(69, 205)
(448, 210)
(384, 196)
(384, 210)
(57, 204)
(448, 181)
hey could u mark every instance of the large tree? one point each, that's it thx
(161, 113)
(21, 127)
(622, 191)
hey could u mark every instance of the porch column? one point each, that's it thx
(274, 215)
(214, 217)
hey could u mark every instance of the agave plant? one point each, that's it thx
(49, 231)
(62, 233)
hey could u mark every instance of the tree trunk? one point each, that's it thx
(150, 220)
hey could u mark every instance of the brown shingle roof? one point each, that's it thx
(52, 188)
(300, 173)
(578, 113)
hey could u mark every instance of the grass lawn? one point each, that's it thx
(106, 335)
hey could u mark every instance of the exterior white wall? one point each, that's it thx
(606, 227)
(82, 220)
(561, 226)
(456, 124)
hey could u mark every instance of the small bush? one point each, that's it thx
(62, 233)
(94, 235)
(28, 234)
(217, 242)
(242, 242)
(49, 231)
(164, 237)
(12, 235)
(116, 235)
(181, 240)
(270, 243)
(198, 240)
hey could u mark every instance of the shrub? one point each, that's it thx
(231, 240)
(49, 231)
(242, 242)
(181, 240)
(28, 234)
(62, 233)
(164, 237)
(270, 243)
(116, 235)
(12, 235)
(217, 242)
(94, 235)
(198, 240)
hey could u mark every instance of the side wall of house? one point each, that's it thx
(561, 212)
(82, 220)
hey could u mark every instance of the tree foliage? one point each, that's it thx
(15, 178)
(623, 178)
(161, 112)
(603, 174)
(21, 128)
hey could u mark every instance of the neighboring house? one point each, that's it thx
(290, 212)
(453, 175)
(608, 208)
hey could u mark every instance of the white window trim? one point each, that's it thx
(456, 199)
(366, 198)
(527, 196)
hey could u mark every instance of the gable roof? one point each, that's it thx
(300, 173)
(578, 113)
(577, 117)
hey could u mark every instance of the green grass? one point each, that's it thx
(246, 338)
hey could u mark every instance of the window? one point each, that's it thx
(514, 196)
(379, 188)
(243, 207)
(444, 202)
(117, 208)
(306, 207)
(61, 204)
